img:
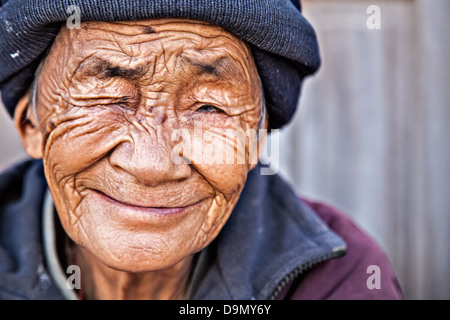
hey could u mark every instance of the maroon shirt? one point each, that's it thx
(347, 277)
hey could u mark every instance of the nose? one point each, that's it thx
(147, 157)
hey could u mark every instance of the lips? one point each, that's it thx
(150, 209)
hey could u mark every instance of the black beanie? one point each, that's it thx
(283, 43)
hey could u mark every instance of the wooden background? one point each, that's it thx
(371, 136)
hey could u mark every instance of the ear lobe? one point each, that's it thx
(28, 130)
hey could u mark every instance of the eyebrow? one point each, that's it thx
(220, 68)
(105, 69)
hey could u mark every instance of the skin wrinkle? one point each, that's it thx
(67, 127)
(108, 102)
(200, 46)
(80, 63)
(166, 66)
(123, 49)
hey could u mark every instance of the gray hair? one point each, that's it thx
(34, 92)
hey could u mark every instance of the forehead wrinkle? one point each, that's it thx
(172, 31)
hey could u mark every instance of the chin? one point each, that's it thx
(132, 259)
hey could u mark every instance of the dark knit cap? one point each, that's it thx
(283, 43)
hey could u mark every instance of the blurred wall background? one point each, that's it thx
(372, 134)
(11, 149)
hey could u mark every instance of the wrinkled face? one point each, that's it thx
(112, 99)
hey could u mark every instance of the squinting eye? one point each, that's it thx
(209, 108)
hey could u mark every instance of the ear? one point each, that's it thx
(28, 129)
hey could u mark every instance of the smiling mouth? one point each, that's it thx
(148, 209)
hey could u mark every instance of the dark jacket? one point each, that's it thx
(274, 246)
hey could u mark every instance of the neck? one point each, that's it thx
(100, 282)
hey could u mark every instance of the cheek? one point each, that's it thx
(77, 141)
(222, 156)
(81, 140)
(228, 180)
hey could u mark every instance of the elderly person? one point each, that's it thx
(97, 105)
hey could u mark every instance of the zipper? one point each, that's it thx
(336, 252)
